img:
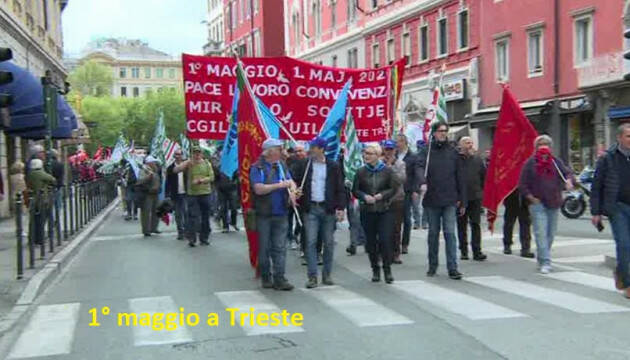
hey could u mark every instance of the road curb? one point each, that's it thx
(44, 277)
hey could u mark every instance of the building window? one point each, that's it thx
(171, 73)
(296, 29)
(333, 14)
(390, 51)
(462, 30)
(241, 13)
(442, 37)
(535, 52)
(147, 72)
(406, 48)
(233, 15)
(424, 43)
(122, 73)
(248, 10)
(135, 73)
(502, 60)
(583, 39)
(45, 9)
(250, 50)
(374, 4)
(257, 46)
(136, 92)
(352, 11)
(334, 61)
(353, 58)
(317, 18)
(255, 7)
(123, 91)
(159, 73)
(376, 55)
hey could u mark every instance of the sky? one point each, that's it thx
(167, 25)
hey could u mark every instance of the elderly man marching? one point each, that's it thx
(199, 178)
(323, 200)
(611, 197)
(270, 178)
(150, 187)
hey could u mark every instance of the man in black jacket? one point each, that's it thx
(445, 196)
(323, 197)
(611, 196)
(411, 185)
(475, 176)
(176, 190)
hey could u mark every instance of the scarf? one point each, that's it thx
(380, 165)
(544, 165)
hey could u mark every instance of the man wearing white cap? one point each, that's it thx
(270, 180)
(149, 182)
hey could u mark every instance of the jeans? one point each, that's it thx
(416, 211)
(445, 217)
(319, 224)
(357, 235)
(620, 224)
(198, 218)
(181, 213)
(472, 215)
(407, 207)
(272, 246)
(545, 225)
(378, 229)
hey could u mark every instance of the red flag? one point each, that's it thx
(513, 144)
(250, 138)
(99, 154)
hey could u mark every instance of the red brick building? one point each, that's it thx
(558, 57)
(254, 27)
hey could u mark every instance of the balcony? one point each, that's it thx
(213, 48)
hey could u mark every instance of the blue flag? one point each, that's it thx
(229, 155)
(331, 131)
(268, 120)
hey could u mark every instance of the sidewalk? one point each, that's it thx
(23, 291)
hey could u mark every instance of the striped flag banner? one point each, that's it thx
(185, 144)
(353, 159)
(168, 149)
(158, 139)
(436, 111)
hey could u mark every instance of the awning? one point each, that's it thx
(456, 131)
(486, 119)
(619, 112)
(66, 122)
(26, 112)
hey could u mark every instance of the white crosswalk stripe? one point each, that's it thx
(582, 278)
(455, 302)
(146, 335)
(254, 299)
(557, 298)
(356, 308)
(49, 332)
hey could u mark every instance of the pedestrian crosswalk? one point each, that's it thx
(474, 300)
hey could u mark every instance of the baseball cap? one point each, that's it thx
(318, 141)
(269, 143)
(389, 144)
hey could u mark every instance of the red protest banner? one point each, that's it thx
(298, 93)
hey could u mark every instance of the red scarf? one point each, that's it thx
(544, 162)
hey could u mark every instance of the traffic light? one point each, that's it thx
(5, 77)
(626, 54)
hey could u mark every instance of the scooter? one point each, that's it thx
(574, 204)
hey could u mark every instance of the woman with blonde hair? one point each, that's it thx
(17, 183)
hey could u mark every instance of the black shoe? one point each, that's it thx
(135, 218)
(431, 273)
(191, 244)
(267, 284)
(283, 285)
(312, 282)
(376, 274)
(465, 257)
(180, 237)
(507, 250)
(416, 227)
(388, 275)
(404, 250)
(225, 231)
(351, 250)
(147, 234)
(527, 254)
(127, 218)
(205, 242)
(455, 275)
(480, 257)
(236, 228)
(425, 227)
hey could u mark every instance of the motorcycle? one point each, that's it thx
(574, 204)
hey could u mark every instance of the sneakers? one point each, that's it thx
(455, 275)
(267, 284)
(480, 257)
(545, 269)
(327, 280)
(507, 250)
(431, 273)
(283, 285)
(312, 282)
(351, 250)
(397, 260)
(376, 274)
(294, 245)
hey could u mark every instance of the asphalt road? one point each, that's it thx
(502, 309)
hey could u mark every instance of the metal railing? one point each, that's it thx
(60, 214)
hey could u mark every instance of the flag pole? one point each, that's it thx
(426, 168)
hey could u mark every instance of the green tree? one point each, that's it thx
(106, 118)
(92, 79)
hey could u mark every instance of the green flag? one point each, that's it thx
(185, 143)
(353, 159)
(158, 139)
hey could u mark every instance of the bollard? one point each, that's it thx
(50, 221)
(40, 226)
(64, 198)
(19, 230)
(71, 205)
(57, 216)
(80, 199)
(31, 232)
